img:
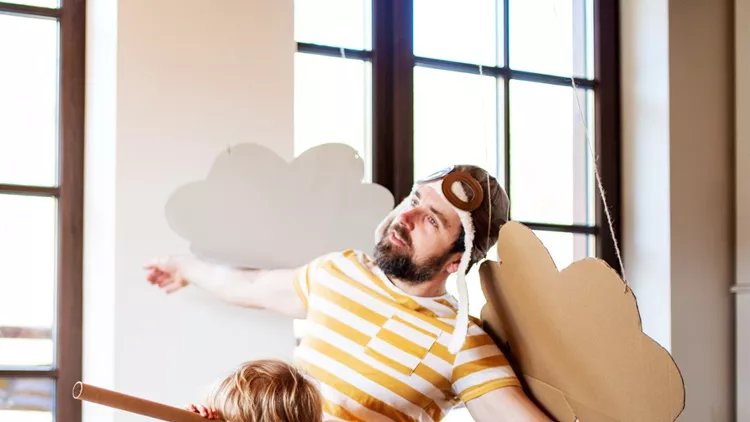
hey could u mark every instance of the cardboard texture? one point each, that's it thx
(256, 210)
(575, 336)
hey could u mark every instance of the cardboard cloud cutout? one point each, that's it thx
(257, 210)
(575, 336)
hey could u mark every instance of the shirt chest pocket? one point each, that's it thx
(401, 344)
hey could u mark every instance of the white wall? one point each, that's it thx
(702, 199)
(170, 84)
(742, 218)
(645, 145)
(678, 177)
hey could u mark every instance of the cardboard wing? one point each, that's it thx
(254, 209)
(575, 336)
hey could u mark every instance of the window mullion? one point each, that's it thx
(69, 321)
(607, 111)
(393, 96)
(382, 95)
(26, 10)
(506, 99)
(403, 96)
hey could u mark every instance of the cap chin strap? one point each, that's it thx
(462, 319)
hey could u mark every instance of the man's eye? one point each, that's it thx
(433, 222)
(413, 202)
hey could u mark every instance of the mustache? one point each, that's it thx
(403, 234)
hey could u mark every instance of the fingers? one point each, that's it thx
(206, 412)
(165, 274)
(160, 272)
(160, 278)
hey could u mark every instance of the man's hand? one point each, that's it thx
(505, 404)
(206, 412)
(260, 289)
(165, 273)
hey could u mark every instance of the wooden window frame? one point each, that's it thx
(67, 330)
(393, 106)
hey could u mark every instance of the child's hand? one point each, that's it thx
(206, 412)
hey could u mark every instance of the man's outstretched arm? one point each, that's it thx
(505, 404)
(260, 289)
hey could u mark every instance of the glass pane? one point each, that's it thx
(339, 23)
(461, 31)
(28, 256)
(27, 399)
(40, 3)
(551, 36)
(566, 248)
(551, 177)
(455, 120)
(333, 104)
(28, 100)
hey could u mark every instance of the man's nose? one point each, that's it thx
(407, 218)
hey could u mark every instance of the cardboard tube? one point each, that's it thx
(132, 404)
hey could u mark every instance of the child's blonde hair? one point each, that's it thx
(267, 391)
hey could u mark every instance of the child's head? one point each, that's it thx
(267, 391)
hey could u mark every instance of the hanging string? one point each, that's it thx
(602, 193)
(590, 148)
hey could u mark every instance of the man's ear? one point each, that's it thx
(453, 263)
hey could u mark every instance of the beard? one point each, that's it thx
(397, 262)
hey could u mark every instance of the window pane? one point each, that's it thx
(28, 100)
(27, 399)
(339, 23)
(40, 3)
(462, 31)
(551, 36)
(27, 279)
(455, 120)
(332, 104)
(551, 177)
(566, 248)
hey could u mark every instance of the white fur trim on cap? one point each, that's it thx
(462, 319)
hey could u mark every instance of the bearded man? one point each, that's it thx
(385, 339)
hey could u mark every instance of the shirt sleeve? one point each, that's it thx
(304, 279)
(480, 367)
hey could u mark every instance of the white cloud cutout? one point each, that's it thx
(256, 209)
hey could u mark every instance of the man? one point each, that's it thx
(385, 339)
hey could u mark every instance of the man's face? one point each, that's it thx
(417, 246)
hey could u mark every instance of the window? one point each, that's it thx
(419, 84)
(41, 202)
(333, 75)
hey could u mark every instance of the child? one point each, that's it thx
(264, 391)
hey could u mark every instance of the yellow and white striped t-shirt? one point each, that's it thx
(381, 354)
